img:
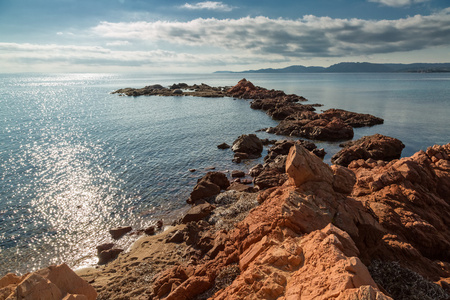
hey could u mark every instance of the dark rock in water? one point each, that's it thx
(266, 142)
(223, 146)
(159, 224)
(150, 230)
(118, 232)
(241, 155)
(192, 170)
(237, 160)
(177, 92)
(179, 86)
(249, 144)
(208, 186)
(107, 256)
(197, 213)
(256, 170)
(104, 247)
(237, 173)
(377, 147)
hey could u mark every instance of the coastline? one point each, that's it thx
(189, 251)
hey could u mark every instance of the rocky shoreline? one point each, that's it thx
(371, 226)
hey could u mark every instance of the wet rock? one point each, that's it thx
(237, 173)
(109, 255)
(377, 147)
(150, 230)
(249, 144)
(118, 232)
(223, 146)
(256, 170)
(104, 247)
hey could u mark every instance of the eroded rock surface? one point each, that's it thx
(376, 147)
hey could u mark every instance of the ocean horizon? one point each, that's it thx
(77, 160)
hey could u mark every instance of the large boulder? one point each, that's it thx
(209, 185)
(377, 147)
(54, 282)
(249, 144)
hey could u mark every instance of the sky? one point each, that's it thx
(207, 36)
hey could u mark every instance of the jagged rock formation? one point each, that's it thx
(54, 282)
(376, 147)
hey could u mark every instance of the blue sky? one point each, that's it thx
(205, 36)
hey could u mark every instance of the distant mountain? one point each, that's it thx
(356, 67)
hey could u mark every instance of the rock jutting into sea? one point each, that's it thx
(371, 226)
(325, 233)
(296, 119)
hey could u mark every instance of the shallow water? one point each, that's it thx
(76, 160)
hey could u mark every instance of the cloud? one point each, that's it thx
(118, 43)
(309, 36)
(95, 56)
(208, 5)
(398, 3)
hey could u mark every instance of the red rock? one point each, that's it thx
(270, 178)
(302, 166)
(208, 186)
(376, 147)
(410, 197)
(197, 212)
(35, 286)
(351, 118)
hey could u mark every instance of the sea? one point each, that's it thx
(76, 160)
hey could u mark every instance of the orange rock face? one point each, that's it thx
(54, 282)
(411, 199)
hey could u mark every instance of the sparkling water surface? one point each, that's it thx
(76, 160)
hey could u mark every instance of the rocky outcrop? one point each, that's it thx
(376, 147)
(181, 89)
(331, 125)
(54, 282)
(209, 185)
(410, 198)
(248, 144)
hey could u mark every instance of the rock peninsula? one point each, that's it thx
(370, 226)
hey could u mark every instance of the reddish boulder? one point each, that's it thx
(351, 118)
(270, 178)
(377, 147)
(208, 186)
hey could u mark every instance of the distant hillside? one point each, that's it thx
(352, 67)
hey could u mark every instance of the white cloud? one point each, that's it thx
(309, 36)
(398, 3)
(118, 43)
(208, 5)
(85, 55)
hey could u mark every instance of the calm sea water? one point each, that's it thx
(76, 160)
